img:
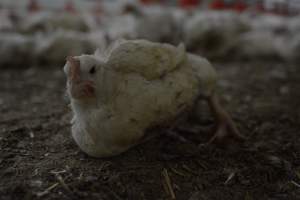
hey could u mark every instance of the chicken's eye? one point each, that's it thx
(92, 70)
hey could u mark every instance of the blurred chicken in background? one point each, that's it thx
(212, 28)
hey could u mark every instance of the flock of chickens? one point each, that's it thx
(47, 38)
(131, 86)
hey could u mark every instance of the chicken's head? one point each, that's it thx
(81, 72)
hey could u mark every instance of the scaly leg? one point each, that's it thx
(225, 127)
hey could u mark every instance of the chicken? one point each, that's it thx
(210, 33)
(122, 27)
(152, 17)
(52, 49)
(294, 25)
(6, 24)
(137, 22)
(117, 95)
(275, 24)
(16, 50)
(294, 49)
(49, 22)
(258, 45)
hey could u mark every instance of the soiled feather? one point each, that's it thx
(151, 60)
(137, 90)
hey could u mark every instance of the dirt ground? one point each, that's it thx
(39, 160)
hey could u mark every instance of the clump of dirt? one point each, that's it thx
(39, 159)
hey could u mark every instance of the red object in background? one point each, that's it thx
(150, 1)
(217, 5)
(33, 6)
(239, 6)
(69, 7)
(260, 7)
(98, 10)
(147, 1)
(189, 3)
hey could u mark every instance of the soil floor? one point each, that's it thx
(39, 159)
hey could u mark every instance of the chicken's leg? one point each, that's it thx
(225, 127)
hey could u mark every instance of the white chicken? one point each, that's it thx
(16, 50)
(151, 18)
(273, 23)
(53, 49)
(137, 22)
(136, 85)
(49, 22)
(210, 33)
(294, 49)
(294, 25)
(122, 27)
(6, 24)
(258, 45)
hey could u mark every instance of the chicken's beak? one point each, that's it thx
(74, 71)
(79, 89)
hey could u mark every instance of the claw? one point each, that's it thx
(225, 132)
(226, 128)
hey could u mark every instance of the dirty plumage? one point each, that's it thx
(135, 85)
